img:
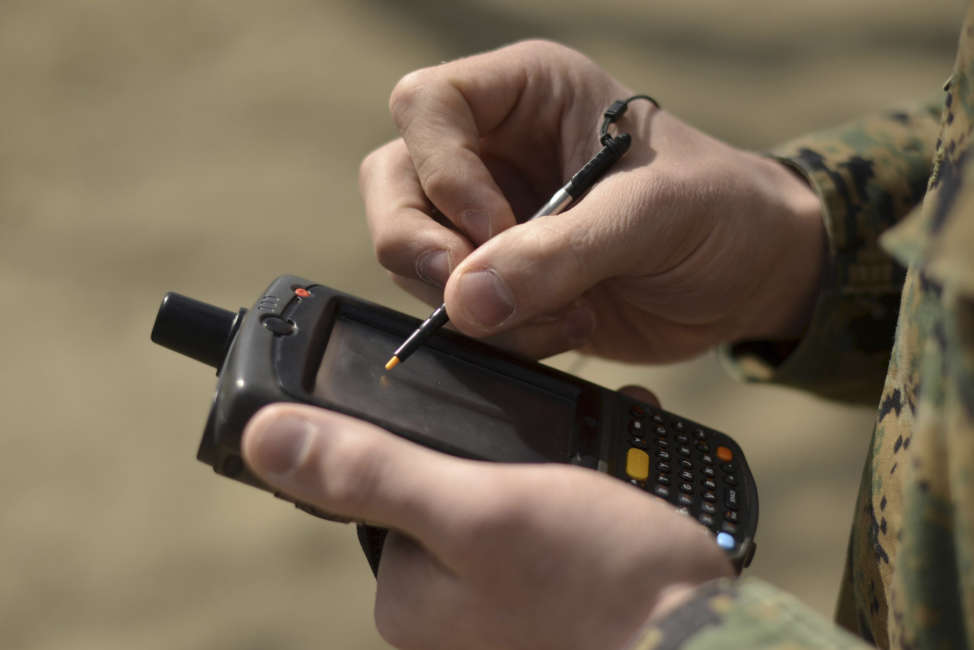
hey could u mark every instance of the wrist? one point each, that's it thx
(796, 247)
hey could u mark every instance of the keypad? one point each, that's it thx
(685, 464)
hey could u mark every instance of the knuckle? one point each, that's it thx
(402, 627)
(392, 622)
(406, 587)
(407, 93)
(572, 247)
(367, 166)
(349, 475)
(501, 514)
(534, 46)
(378, 160)
(554, 55)
(387, 248)
(437, 181)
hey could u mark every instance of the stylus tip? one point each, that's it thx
(392, 363)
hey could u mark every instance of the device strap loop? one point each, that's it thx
(616, 110)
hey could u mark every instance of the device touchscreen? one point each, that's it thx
(445, 399)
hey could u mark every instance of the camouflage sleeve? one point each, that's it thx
(921, 466)
(869, 174)
(726, 614)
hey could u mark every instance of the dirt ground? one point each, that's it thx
(208, 146)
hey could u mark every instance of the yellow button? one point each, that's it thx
(724, 454)
(637, 464)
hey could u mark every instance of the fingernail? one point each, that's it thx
(282, 445)
(433, 267)
(476, 223)
(487, 298)
(579, 324)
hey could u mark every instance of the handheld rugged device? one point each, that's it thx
(304, 342)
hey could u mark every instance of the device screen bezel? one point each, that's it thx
(297, 358)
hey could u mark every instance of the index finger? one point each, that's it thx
(407, 240)
(442, 113)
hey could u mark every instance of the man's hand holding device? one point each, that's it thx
(489, 555)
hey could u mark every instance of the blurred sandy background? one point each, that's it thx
(208, 146)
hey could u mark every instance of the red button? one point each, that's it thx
(302, 293)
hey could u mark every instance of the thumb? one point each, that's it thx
(537, 268)
(351, 468)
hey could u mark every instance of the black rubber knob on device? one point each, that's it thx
(197, 329)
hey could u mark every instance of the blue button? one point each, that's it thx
(725, 541)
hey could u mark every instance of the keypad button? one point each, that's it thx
(657, 418)
(679, 426)
(726, 541)
(728, 527)
(707, 459)
(661, 491)
(684, 450)
(730, 499)
(705, 519)
(661, 431)
(700, 434)
(710, 485)
(687, 487)
(683, 438)
(686, 464)
(663, 466)
(702, 447)
(724, 454)
(730, 479)
(709, 472)
(637, 483)
(663, 479)
(728, 468)
(638, 442)
(686, 475)
(708, 508)
(732, 516)
(710, 496)
(685, 500)
(637, 464)
(660, 442)
(636, 427)
(683, 511)
(662, 454)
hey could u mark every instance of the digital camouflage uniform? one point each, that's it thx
(897, 181)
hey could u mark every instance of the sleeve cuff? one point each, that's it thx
(844, 352)
(843, 355)
(747, 613)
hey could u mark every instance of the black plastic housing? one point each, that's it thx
(275, 355)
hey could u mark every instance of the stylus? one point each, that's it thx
(584, 179)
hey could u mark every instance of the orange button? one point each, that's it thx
(301, 292)
(724, 454)
(637, 464)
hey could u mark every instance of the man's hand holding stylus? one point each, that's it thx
(687, 243)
